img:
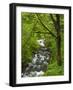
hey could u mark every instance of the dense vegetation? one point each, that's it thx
(49, 27)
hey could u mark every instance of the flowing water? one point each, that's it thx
(39, 62)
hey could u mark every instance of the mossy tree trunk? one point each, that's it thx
(58, 40)
(56, 22)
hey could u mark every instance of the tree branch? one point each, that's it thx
(42, 32)
(45, 26)
(54, 21)
(52, 18)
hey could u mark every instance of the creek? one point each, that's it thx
(40, 61)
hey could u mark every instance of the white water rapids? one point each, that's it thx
(39, 62)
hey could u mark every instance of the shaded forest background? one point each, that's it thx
(49, 27)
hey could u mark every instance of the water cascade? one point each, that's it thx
(39, 62)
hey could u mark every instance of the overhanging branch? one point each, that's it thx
(45, 26)
(52, 18)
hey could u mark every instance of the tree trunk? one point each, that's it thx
(58, 40)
